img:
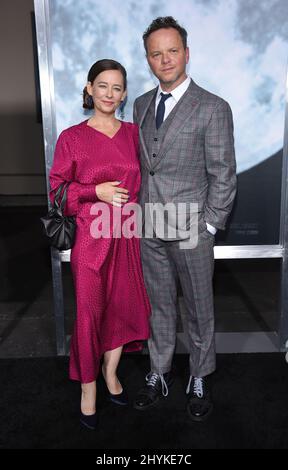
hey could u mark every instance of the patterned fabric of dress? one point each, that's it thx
(112, 306)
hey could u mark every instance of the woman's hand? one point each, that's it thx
(109, 192)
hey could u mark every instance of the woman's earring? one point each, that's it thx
(121, 108)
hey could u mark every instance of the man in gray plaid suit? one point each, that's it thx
(187, 156)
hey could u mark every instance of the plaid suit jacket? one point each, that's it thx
(196, 160)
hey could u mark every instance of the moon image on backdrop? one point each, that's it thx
(238, 50)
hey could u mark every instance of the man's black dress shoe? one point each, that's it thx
(89, 421)
(156, 387)
(199, 405)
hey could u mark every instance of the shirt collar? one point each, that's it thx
(178, 92)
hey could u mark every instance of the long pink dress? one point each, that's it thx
(112, 304)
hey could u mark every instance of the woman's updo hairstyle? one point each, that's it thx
(97, 68)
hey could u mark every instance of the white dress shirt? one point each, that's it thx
(177, 93)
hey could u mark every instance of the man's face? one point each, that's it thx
(167, 57)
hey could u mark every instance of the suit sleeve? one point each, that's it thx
(220, 166)
(63, 170)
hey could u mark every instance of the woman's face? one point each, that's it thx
(107, 91)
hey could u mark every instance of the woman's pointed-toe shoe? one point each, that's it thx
(119, 398)
(89, 421)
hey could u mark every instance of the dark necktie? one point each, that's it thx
(161, 109)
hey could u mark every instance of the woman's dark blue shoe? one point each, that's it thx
(119, 398)
(89, 421)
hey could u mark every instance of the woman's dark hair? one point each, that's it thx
(97, 68)
(165, 22)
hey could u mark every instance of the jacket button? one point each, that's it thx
(155, 139)
(154, 155)
(152, 173)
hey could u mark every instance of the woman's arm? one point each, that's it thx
(63, 170)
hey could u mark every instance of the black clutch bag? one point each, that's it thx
(59, 229)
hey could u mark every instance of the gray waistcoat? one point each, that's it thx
(153, 137)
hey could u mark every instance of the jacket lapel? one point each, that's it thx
(186, 107)
(142, 117)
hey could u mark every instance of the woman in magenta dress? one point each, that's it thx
(100, 158)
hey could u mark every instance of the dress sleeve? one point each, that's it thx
(135, 131)
(63, 170)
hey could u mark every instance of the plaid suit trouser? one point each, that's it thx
(164, 262)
